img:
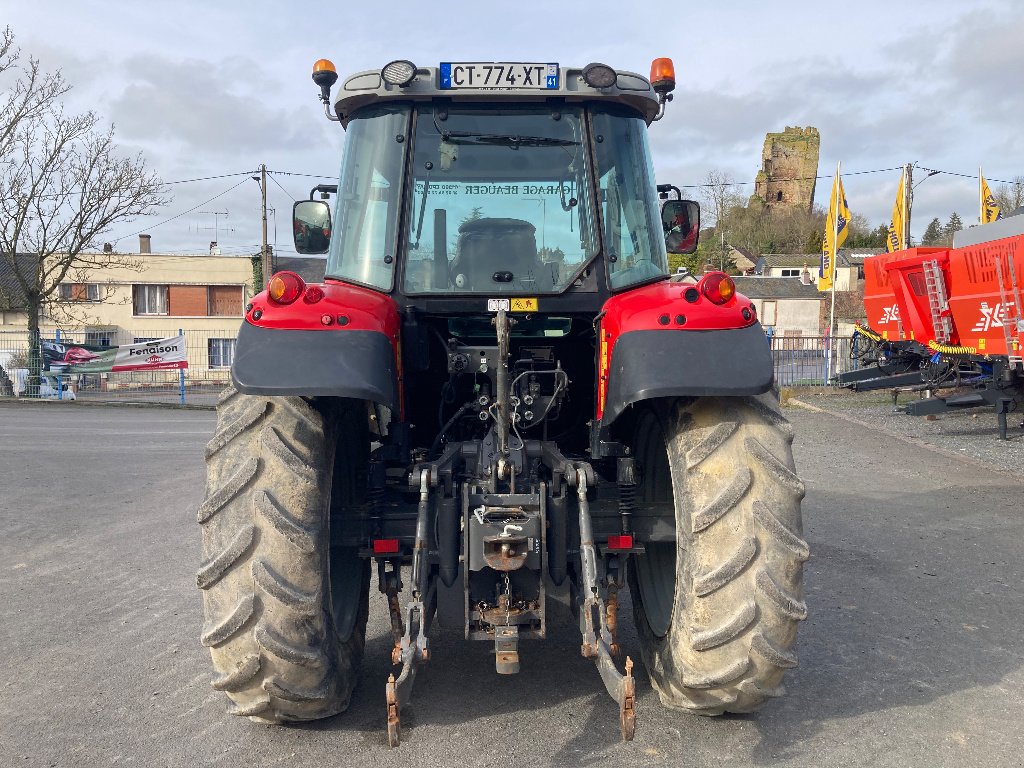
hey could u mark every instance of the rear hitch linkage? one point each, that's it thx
(413, 648)
(602, 644)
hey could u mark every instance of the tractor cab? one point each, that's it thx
(495, 180)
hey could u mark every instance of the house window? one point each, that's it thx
(225, 300)
(790, 272)
(79, 292)
(768, 313)
(149, 299)
(99, 337)
(778, 196)
(222, 352)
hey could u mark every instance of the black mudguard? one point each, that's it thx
(675, 363)
(336, 363)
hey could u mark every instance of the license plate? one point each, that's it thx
(498, 75)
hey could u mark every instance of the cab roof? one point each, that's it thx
(369, 87)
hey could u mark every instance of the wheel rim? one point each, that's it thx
(656, 568)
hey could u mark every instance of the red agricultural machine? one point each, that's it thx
(499, 400)
(947, 318)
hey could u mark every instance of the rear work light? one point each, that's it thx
(718, 287)
(399, 72)
(599, 75)
(285, 287)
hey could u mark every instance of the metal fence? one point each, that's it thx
(803, 361)
(209, 354)
(799, 361)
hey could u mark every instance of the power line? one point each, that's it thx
(307, 175)
(799, 178)
(965, 175)
(845, 173)
(208, 178)
(290, 195)
(183, 213)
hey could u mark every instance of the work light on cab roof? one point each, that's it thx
(399, 72)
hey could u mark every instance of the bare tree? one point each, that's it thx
(1010, 196)
(62, 186)
(719, 193)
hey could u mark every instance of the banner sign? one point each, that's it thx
(158, 355)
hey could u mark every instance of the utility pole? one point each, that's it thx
(908, 200)
(265, 264)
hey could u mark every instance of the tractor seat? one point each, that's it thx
(499, 255)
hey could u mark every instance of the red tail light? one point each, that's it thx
(385, 546)
(285, 287)
(718, 287)
(622, 541)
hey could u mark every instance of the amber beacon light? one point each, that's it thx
(325, 75)
(663, 75)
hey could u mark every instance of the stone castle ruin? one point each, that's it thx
(789, 165)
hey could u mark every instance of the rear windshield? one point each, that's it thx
(499, 200)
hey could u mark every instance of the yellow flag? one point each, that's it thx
(894, 242)
(837, 227)
(989, 206)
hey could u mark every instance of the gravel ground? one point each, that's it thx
(972, 435)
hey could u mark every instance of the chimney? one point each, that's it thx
(805, 276)
(144, 244)
(108, 248)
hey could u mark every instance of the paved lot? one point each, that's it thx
(912, 655)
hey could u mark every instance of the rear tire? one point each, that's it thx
(285, 613)
(717, 611)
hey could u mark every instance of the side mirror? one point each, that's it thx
(311, 226)
(680, 219)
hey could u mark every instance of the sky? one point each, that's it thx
(207, 89)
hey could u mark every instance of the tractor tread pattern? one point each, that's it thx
(730, 629)
(780, 532)
(247, 668)
(784, 602)
(764, 648)
(269, 625)
(711, 443)
(251, 709)
(706, 583)
(222, 631)
(739, 587)
(725, 501)
(220, 499)
(288, 594)
(213, 569)
(301, 536)
(281, 691)
(246, 419)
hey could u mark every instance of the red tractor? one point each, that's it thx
(499, 407)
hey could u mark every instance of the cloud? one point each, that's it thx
(196, 107)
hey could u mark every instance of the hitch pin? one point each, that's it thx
(510, 527)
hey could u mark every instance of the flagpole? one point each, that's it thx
(981, 197)
(908, 201)
(833, 264)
